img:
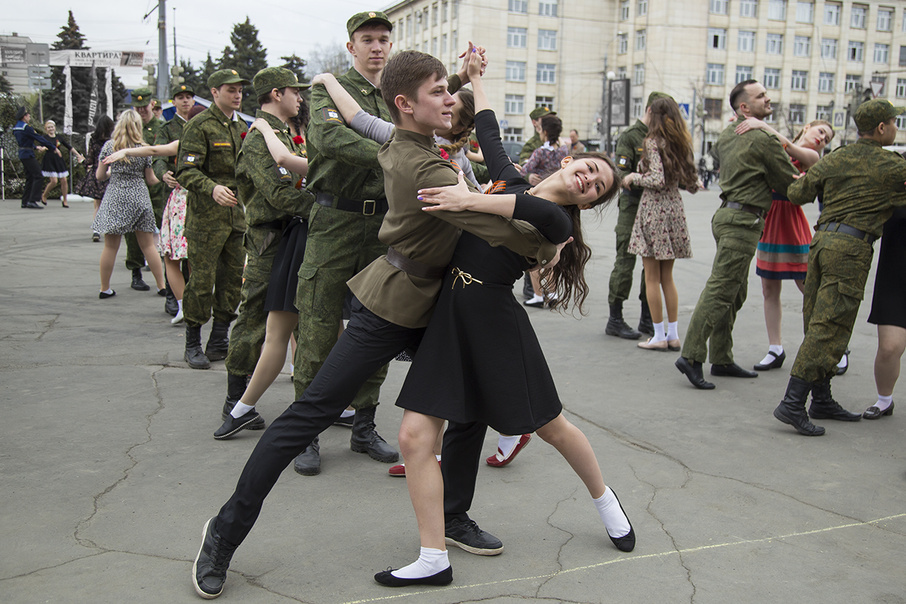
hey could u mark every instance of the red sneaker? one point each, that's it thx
(398, 470)
(498, 460)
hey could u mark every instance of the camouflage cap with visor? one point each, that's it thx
(873, 112)
(359, 19)
(275, 77)
(226, 76)
(141, 97)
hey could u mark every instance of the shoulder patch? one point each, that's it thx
(189, 159)
(622, 161)
(283, 174)
(329, 114)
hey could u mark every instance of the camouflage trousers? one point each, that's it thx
(216, 258)
(624, 263)
(248, 332)
(838, 267)
(340, 244)
(737, 234)
(134, 256)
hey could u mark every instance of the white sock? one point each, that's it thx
(770, 358)
(884, 402)
(430, 562)
(844, 361)
(660, 335)
(615, 521)
(535, 299)
(438, 457)
(107, 291)
(240, 409)
(506, 444)
(673, 330)
(347, 413)
(179, 303)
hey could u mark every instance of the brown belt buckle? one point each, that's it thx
(365, 207)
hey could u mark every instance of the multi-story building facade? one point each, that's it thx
(815, 57)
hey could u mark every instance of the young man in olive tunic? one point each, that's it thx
(215, 220)
(533, 143)
(751, 166)
(860, 185)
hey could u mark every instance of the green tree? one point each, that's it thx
(5, 86)
(247, 56)
(192, 76)
(296, 65)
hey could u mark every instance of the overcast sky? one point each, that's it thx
(297, 26)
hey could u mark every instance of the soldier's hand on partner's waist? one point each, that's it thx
(169, 180)
(223, 196)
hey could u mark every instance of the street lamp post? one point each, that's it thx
(610, 77)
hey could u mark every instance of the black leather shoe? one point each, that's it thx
(210, 568)
(32, 205)
(874, 413)
(365, 439)
(105, 295)
(138, 283)
(218, 342)
(616, 326)
(693, 371)
(626, 543)
(797, 417)
(308, 462)
(777, 363)
(732, 370)
(236, 424)
(465, 534)
(444, 577)
(171, 307)
(825, 407)
(345, 422)
(228, 404)
(193, 355)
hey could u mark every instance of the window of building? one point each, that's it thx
(514, 103)
(434, 47)
(828, 48)
(715, 74)
(746, 41)
(771, 78)
(622, 44)
(744, 72)
(855, 51)
(547, 39)
(418, 21)
(547, 8)
(902, 56)
(713, 108)
(824, 112)
(774, 44)
(797, 114)
(638, 74)
(799, 81)
(901, 88)
(770, 119)
(802, 46)
(777, 10)
(857, 16)
(624, 10)
(748, 8)
(805, 12)
(832, 13)
(455, 9)
(434, 12)
(518, 6)
(825, 82)
(642, 8)
(454, 41)
(515, 71)
(882, 53)
(885, 19)
(512, 135)
(546, 73)
(516, 37)
(853, 82)
(443, 44)
(717, 38)
(901, 122)
(637, 107)
(544, 101)
(719, 7)
(443, 11)
(621, 73)
(640, 39)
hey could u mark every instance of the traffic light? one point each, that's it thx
(175, 78)
(152, 81)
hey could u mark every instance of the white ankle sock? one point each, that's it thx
(506, 444)
(430, 562)
(673, 330)
(660, 335)
(535, 299)
(615, 521)
(844, 361)
(884, 402)
(347, 413)
(240, 409)
(179, 303)
(770, 358)
(107, 291)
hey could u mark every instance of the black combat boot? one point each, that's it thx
(645, 325)
(365, 438)
(194, 356)
(791, 409)
(218, 342)
(825, 407)
(137, 283)
(171, 307)
(308, 462)
(616, 326)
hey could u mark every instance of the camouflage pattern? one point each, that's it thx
(270, 196)
(168, 132)
(134, 256)
(340, 243)
(529, 147)
(628, 153)
(207, 157)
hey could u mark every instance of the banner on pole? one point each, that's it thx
(67, 111)
(93, 100)
(100, 58)
(108, 92)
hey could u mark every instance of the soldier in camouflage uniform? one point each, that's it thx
(348, 183)
(859, 184)
(533, 143)
(215, 219)
(135, 260)
(271, 200)
(751, 166)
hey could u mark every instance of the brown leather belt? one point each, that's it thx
(839, 227)
(745, 208)
(368, 207)
(413, 267)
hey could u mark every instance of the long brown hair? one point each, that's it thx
(667, 127)
(466, 121)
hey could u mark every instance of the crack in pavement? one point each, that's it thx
(50, 326)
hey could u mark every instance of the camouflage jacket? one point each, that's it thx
(167, 133)
(628, 154)
(529, 147)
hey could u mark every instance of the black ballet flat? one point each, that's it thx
(626, 543)
(444, 577)
(874, 413)
(105, 295)
(777, 363)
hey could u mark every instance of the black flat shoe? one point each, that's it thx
(105, 295)
(874, 413)
(626, 543)
(777, 363)
(444, 577)
(693, 371)
(732, 370)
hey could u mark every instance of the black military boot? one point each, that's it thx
(791, 409)
(825, 407)
(137, 283)
(365, 438)
(170, 305)
(218, 342)
(616, 326)
(645, 325)
(308, 462)
(194, 356)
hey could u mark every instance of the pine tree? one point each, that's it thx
(5, 86)
(296, 65)
(207, 68)
(191, 76)
(247, 56)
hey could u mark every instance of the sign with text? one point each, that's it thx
(619, 102)
(97, 58)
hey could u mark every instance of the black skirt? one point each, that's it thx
(888, 303)
(281, 290)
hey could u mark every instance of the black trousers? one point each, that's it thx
(368, 343)
(34, 180)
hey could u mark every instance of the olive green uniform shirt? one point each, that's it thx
(412, 161)
(629, 152)
(170, 131)
(529, 147)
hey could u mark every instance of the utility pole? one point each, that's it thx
(163, 71)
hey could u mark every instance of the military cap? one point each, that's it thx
(141, 97)
(873, 112)
(359, 19)
(539, 112)
(226, 76)
(21, 112)
(655, 96)
(179, 89)
(275, 77)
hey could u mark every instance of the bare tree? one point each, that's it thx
(329, 58)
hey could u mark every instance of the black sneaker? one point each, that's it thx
(210, 568)
(232, 425)
(466, 535)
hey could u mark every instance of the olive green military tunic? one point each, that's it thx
(135, 259)
(751, 165)
(206, 158)
(529, 147)
(170, 131)
(628, 154)
(271, 200)
(859, 184)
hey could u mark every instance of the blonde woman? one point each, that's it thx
(126, 205)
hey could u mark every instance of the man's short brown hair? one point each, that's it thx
(404, 74)
(740, 91)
